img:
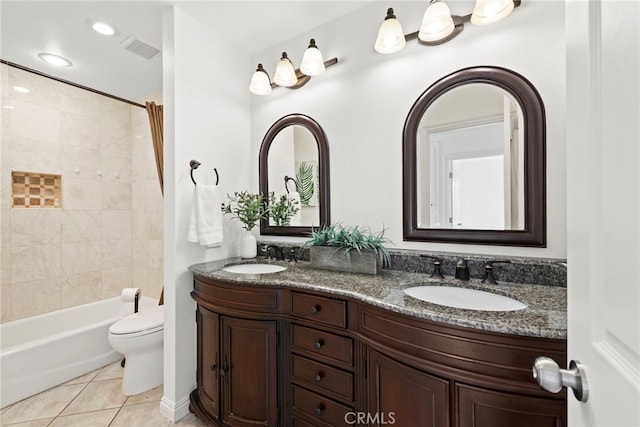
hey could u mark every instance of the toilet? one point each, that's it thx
(140, 337)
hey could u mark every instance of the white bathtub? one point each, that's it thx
(43, 351)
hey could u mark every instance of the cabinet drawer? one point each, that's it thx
(323, 378)
(319, 344)
(321, 309)
(319, 407)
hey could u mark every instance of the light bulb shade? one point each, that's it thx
(490, 11)
(390, 35)
(437, 23)
(285, 74)
(260, 83)
(312, 62)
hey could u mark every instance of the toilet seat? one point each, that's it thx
(141, 323)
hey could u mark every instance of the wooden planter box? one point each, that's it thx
(338, 259)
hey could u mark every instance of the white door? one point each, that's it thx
(603, 208)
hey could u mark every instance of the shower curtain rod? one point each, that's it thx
(31, 70)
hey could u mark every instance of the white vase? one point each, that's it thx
(248, 246)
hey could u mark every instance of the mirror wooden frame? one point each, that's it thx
(535, 223)
(323, 171)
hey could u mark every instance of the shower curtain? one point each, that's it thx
(155, 121)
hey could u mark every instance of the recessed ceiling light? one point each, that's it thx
(103, 28)
(21, 89)
(56, 60)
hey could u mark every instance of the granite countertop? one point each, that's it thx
(545, 315)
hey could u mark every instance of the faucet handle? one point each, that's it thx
(488, 271)
(292, 255)
(437, 265)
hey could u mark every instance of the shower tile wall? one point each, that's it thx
(108, 233)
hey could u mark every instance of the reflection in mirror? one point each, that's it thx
(293, 171)
(470, 169)
(474, 161)
(294, 162)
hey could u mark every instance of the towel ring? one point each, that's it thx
(286, 181)
(194, 165)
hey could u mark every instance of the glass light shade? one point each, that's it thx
(312, 62)
(437, 23)
(285, 74)
(260, 83)
(390, 35)
(490, 11)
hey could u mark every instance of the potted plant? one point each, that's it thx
(350, 249)
(281, 209)
(248, 208)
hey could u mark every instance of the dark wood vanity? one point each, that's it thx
(289, 356)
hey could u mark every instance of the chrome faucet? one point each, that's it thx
(488, 271)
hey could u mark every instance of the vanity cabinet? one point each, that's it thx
(322, 360)
(236, 370)
(279, 356)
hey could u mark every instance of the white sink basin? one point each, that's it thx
(470, 299)
(253, 268)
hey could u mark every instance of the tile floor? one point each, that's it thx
(92, 400)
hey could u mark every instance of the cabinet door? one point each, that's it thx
(209, 361)
(477, 407)
(248, 375)
(404, 396)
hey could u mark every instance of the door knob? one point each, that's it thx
(551, 378)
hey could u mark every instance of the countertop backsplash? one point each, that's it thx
(535, 271)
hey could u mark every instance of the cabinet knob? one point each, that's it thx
(318, 377)
(318, 345)
(319, 409)
(214, 367)
(315, 309)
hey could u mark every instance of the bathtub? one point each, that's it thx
(43, 351)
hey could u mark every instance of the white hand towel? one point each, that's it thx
(205, 226)
(296, 219)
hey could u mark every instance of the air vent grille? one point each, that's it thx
(140, 48)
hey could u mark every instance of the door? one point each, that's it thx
(603, 214)
(209, 361)
(401, 395)
(248, 372)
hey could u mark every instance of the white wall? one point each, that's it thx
(206, 118)
(362, 102)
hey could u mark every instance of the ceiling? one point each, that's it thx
(103, 63)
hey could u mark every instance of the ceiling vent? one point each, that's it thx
(139, 48)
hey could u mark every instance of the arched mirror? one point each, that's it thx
(474, 161)
(294, 162)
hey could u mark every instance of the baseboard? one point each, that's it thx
(174, 411)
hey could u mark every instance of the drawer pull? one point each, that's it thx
(318, 377)
(319, 409)
(318, 345)
(316, 309)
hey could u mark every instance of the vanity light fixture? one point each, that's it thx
(55, 60)
(312, 62)
(390, 35)
(286, 75)
(260, 82)
(438, 25)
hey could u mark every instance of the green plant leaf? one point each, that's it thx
(304, 179)
(350, 238)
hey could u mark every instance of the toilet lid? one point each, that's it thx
(148, 320)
